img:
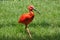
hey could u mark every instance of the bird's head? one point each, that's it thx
(31, 8)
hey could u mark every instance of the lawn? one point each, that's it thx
(45, 26)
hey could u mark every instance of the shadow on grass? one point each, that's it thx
(43, 24)
(46, 37)
(35, 37)
(9, 24)
(9, 38)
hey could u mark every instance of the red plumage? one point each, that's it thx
(27, 18)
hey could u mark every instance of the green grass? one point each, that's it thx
(45, 26)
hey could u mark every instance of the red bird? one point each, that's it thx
(27, 18)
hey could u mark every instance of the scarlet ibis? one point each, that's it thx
(27, 18)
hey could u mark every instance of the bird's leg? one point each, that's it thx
(28, 31)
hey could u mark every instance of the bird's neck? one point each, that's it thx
(31, 13)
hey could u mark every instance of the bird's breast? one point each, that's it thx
(32, 17)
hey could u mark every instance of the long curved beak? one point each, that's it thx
(36, 11)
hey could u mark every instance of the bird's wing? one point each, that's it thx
(27, 18)
(24, 17)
